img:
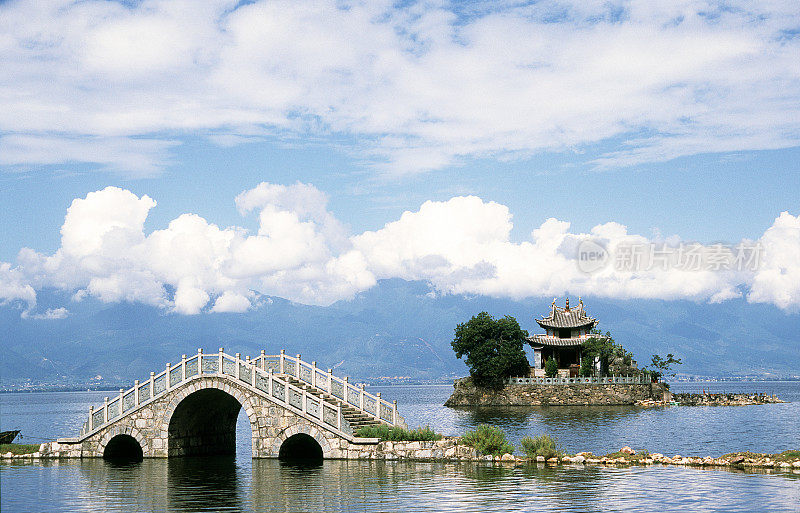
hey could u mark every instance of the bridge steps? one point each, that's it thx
(355, 417)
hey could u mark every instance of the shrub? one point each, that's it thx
(550, 368)
(587, 366)
(398, 434)
(488, 439)
(541, 445)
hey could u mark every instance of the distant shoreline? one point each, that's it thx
(115, 388)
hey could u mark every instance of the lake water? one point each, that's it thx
(242, 484)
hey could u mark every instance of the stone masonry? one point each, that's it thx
(578, 394)
(180, 423)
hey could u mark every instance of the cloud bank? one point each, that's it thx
(419, 86)
(300, 251)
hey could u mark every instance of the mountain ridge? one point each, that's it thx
(397, 329)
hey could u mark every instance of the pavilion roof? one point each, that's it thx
(567, 317)
(544, 340)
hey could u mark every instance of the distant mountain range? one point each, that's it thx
(397, 329)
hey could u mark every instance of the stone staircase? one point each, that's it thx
(357, 406)
(355, 417)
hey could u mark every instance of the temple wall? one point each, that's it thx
(583, 394)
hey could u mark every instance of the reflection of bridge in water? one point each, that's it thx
(295, 410)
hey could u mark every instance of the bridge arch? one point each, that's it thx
(200, 419)
(123, 442)
(301, 440)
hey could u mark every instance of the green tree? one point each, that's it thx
(493, 349)
(661, 366)
(551, 367)
(599, 348)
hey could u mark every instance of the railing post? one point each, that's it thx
(283, 356)
(378, 406)
(253, 373)
(269, 382)
(183, 368)
(297, 367)
(394, 412)
(152, 384)
(314, 373)
(238, 358)
(119, 401)
(304, 399)
(339, 416)
(105, 410)
(361, 396)
(136, 392)
(199, 361)
(91, 418)
(166, 378)
(221, 351)
(263, 360)
(345, 391)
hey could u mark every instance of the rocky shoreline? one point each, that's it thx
(466, 394)
(450, 449)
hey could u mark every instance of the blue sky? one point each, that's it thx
(669, 124)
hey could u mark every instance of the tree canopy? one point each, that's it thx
(493, 349)
(602, 349)
(661, 366)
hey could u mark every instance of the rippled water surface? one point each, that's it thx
(241, 484)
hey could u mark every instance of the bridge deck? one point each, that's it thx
(319, 396)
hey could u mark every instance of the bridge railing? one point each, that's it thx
(325, 381)
(246, 371)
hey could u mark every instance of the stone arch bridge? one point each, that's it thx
(191, 408)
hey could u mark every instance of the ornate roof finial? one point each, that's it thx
(567, 307)
(580, 301)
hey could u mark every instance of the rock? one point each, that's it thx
(508, 457)
(540, 459)
(552, 460)
(796, 464)
(737, 460)
(627, 450)
(578, 459)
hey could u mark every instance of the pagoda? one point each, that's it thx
(566, 330)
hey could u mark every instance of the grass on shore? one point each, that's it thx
(785, 456)
(398, 434)
(19, 448)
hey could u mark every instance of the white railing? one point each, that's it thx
(607, 380)
(324, 381)
(252, 373)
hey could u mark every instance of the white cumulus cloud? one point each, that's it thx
(300, 251)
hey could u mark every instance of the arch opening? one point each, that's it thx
(123, 448)
(300, 448)
(204, 423)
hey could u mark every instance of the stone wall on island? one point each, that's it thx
(465, 393)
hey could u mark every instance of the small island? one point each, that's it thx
(574, 365)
